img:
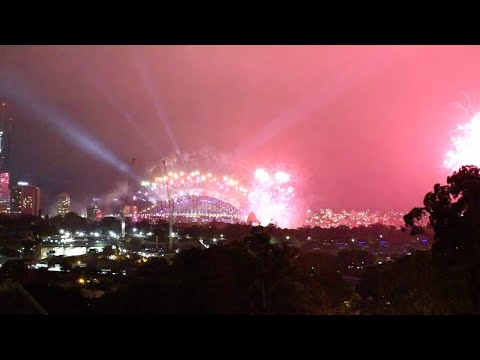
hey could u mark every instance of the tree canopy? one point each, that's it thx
(452, 212)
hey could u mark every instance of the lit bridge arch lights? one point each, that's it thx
(195, 206)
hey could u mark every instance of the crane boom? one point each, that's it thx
(125, 202)
(170, 210)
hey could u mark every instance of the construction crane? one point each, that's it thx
(171, 207)
(122, 212)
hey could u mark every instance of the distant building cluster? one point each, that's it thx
(327, 218)
(100, 208)
(22, 198)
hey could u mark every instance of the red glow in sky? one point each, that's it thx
(366, 126)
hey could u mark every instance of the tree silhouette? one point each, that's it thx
(276, 273)
(71, 222)
(9, 252)
(402, 287)
(108, 250)
(453, 213)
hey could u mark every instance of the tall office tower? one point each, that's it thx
(25, 199)
(4, 192)
(5, 150)
(63, 204)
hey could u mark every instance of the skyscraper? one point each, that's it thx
(15, 202)
(63, 204)
(25, 199)
(5, 149)
(4, 192)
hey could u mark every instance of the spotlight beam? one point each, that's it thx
(150, 89)
(100, 86)
(18, 89)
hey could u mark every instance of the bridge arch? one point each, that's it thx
(198, 206)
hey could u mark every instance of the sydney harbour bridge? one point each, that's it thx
(194, 208)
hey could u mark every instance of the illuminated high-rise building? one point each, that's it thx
(4, 192)
(63, 204)
(25, 199)
(94, 213)
(15, 202)
(5, 149)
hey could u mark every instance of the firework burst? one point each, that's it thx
(268, 193)
(466, 145)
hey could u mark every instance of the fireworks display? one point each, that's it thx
(268, 193)
(466, 145)
(196, 183)
(271, 197)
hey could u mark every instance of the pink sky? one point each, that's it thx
(366, 126)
